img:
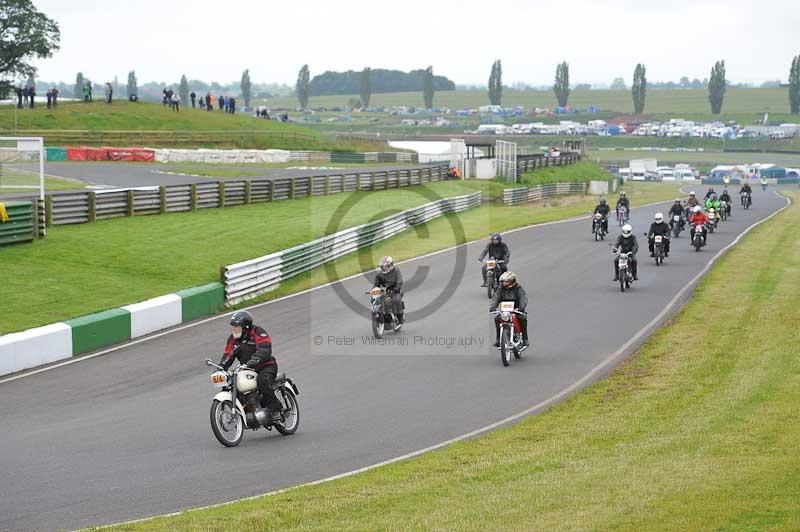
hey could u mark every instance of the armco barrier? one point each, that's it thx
(59, 341)
(514, 196)
(253, 277)
(527, 163)
(21, 226)
(35, 347)
(88, 206)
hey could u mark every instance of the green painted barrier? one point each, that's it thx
(56, 154)
(346, 157)
(387, 157)
(201, 301)
(100, 330)
(19, 227)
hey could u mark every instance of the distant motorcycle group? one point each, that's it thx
(703, 219)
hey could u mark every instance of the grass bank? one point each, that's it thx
(126, 260)
(697, 431)
(581, 172)
(51, 184)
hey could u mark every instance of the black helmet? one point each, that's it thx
(242, 319)
(497, 236)
(602, 201)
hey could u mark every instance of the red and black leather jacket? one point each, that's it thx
(255, 344)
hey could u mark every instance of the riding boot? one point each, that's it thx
(616, 272)
(635, 268)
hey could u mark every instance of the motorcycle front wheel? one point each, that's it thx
(377, 326)
(505, 350)
(226, 423)
(291, 411)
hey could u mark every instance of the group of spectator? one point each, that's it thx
(207, 102)
(25, 95)
(171, 98)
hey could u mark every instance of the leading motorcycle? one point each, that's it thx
(383, 315)
(624, 270)
(510, 332)
(237, 405)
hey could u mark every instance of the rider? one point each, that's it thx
(763, 183)
(604, 209)
(712, 202)
(746, 188)
(391, 279)
(726, 197)
(698, 218)
(251, 345)
(658, 228)
(626, 243)
(692, 202)
(676, 210)
(498, 250)
(510, 291)
(623, 202)
(710, 192)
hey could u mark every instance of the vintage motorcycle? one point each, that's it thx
(597, 227)
(510, 332)
(237, 405)
(383, 316)
(492, 275)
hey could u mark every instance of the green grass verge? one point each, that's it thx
(580, 172)
(257, 170)
(119, 261)
(697, 431)
(50, 184)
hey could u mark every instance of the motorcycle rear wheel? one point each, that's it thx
(291, 411)
(228, 432)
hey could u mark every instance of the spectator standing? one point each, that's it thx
(19, 91)
(233, 106)
(164, 97)
(109, 92)
(86, 92)
(49, 98)
(210, 102)
(89, 85)
(202, 102)
(221, 102)
(31, 94)
(54, 91)
(176, 102)
(193, 96)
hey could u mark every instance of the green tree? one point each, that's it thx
(25, 34)
(561, 86)
(716, 87)
(245, 85)
(496, 84)
(794, 86)
(302, 87)
(183, 90)
(427, 87)
(639, 88)
(618, 84)
(79, 82)
(133, 84)
(365, 87)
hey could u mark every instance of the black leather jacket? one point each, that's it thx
(254, 346)
(391, 280)
(497, 251)
(516, 294)
(658, 229)
(627, 245)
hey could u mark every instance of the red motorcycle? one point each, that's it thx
(510, 332)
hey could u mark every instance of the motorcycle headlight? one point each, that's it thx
(505, 316)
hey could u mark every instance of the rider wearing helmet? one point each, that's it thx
(746, 188)
(623, 202)
(510, 290)
(626, 243)
(712, 202)
(391, 279)
(710, 192)
(658, 228)
(604, 209)
(726, 197)
(698, 218)
(676, 210)
(692, 202)
(251, 345)
(498, 250)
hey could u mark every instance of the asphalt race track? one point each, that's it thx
(123, 175)
(126, 435)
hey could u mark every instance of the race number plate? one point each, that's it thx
(658, 239)
(507, 306)
(491, 264)
(219, 379)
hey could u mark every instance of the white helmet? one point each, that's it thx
(659, 217)
(697, 208)
(711, 210)
(691, 193)
(627, 230)
(387, 264)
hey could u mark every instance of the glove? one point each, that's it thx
(252, 363)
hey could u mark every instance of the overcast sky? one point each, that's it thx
(216, 40)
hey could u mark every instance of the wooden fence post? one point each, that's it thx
(193, 197)
(162, 197)
(48, 210)
(221, 189)
(372, 181)
(247, 191)
(291, 188)
(271, 190)
(92, 206)
(327, 185)
(130, 207)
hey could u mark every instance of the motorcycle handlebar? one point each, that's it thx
(515, 311)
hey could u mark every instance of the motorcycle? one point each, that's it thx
(622, 216)
(676, 224)
(383, 316)
(597, 227)
(713, 220)
(492, 275)
(624, 270)
(746, 200)
(723, 210)
(658, 249)
(510, 332)
(698, 239)
(237, 405)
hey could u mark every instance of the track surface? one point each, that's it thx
(148, 174)
(126, 435)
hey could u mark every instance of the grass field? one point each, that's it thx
(580, 172)
(118, 260)
(51, 184)
(256, 170)
(125, 121)
(743, 105)
(697, 431)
